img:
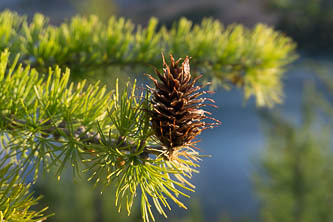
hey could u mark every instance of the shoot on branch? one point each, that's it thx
(141, 144)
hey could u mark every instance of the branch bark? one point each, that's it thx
(49, 129)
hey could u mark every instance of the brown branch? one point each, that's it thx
(49, 129)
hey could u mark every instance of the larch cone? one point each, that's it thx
(177, 116)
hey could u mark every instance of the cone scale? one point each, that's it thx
(177, 116)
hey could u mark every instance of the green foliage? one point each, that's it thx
(311, 8)
(15, 197)
(296, 180)
(251, 59)
(48, 123)
(321, 97)
(308, 22)
(33, 105)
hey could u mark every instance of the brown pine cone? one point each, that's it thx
(176, 116)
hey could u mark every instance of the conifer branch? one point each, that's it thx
(16, 199)
(48, 123)
(252, 59)
(48, 129)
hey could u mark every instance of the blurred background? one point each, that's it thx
(267, 164)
